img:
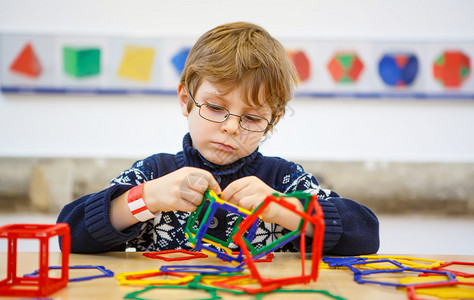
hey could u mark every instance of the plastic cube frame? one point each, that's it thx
(312, 214)
(196, 237)
(15, 285)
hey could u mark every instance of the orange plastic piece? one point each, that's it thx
(26, 62)
(24, 286)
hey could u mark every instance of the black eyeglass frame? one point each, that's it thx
(230, 114)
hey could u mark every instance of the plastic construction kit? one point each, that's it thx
(312, 214)
(197, 236)
(139, 278)
(105, 272)
(201, 269)
(433, 279)
(42, 285)
(188, 255)
(136, 295)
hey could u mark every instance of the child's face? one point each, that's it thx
(226, 142)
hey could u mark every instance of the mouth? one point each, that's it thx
(223, 147)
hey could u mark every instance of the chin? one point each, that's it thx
(223, 159)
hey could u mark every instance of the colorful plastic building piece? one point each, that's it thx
(137, 63)
(105, 272)
(81, 62)
(442, 267)
(241, 282)
(438, 288)
(135, 295)
(42, 285)
(304, 291)
(451, 68)
(138, 278)
(201, 269)
(197, 236)
(345, 67)
(406, 261)
(189, 255)
(398, 69)
(27, 63)
(312, 214)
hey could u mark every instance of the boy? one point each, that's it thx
(233, 90)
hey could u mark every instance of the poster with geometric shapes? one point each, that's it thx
(153, 65)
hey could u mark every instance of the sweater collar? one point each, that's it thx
(193, 158)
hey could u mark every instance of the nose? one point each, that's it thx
(231, 125)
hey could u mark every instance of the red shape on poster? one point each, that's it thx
(345, 67)
(302, 64)
(27, 63)
(452, 68)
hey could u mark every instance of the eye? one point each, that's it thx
(215, 108)
(252, 118)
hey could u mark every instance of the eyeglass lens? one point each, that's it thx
(219, 114)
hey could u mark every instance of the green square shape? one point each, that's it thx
(81, 62)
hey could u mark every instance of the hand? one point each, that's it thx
(181, 190)
(249, 192)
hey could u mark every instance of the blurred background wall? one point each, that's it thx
(395, 155)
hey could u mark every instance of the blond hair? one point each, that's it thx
(242, 55)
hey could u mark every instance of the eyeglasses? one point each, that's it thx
(219, 114)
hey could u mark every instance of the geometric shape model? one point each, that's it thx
(345, 67)
(301, 63)
(312, 214)
(188, 255)
(105, 272)
(197, 234)
(179, 60)
(451, 68)
(27, 63)
(140, 278)
(42, 285)
(136, 63)
(398, 69)
(81, 62)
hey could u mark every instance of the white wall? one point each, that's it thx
(314, 129)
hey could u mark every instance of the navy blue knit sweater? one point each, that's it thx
(350, 228)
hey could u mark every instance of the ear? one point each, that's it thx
(183, 100)
(277, 119)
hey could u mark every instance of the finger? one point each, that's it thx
(192, 196)
(204, 180)
(212, 183)
(234, 191)
(186, 206)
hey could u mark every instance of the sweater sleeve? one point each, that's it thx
(89, 216)
(89, 220)
(350, 227)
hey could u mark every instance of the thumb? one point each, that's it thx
(213, 185)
